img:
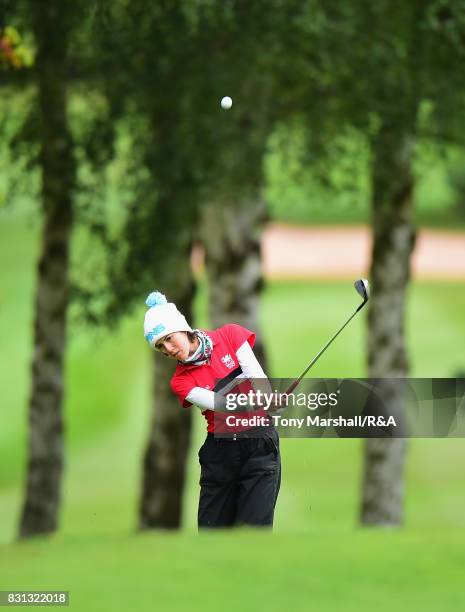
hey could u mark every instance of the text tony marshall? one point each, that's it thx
(311, 421)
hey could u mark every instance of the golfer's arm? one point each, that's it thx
(205, 399)
(252, 369)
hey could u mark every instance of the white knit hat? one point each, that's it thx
(162, 318)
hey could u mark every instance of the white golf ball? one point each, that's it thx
(226, 102)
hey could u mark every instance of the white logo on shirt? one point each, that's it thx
(228, 361)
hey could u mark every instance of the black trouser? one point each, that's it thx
(239, 481)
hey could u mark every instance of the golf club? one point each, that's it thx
(363, 289)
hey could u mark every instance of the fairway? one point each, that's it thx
(329, 570)
(317, 557)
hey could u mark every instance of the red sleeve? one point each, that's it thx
(182, 385)
(237, 335)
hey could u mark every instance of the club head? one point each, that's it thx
(363, 289)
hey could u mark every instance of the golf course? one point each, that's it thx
(200, 201)
(318, 557)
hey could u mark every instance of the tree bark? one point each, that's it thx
(394, 237)
(45, 447)
(231, 234)
(169, 439)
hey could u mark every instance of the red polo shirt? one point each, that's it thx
(223, 368)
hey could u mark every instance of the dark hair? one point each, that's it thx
(191, 336)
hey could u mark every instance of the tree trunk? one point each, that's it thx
(394, 237)
(231, 234)
(45, 460)
(169, 440)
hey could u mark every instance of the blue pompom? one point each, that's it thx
(156, 299)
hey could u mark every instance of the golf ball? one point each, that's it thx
(226, 102)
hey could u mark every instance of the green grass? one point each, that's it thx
(317, 557)
(247, 570)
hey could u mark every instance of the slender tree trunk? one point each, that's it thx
(383, 479)
(45, 461)
(231, 234)
(169, 439)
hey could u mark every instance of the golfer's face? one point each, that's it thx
(174, 345)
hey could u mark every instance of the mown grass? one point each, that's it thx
(338, 570)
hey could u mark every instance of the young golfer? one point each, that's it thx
(241, 471)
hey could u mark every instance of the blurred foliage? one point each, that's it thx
(302, 187)
(311, 83)
(14, 54)
(363, 65)
(298, 192)
(163, 69)
(19, 150)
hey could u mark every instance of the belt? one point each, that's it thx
(247, 434)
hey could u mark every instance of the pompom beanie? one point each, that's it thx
(162, 318)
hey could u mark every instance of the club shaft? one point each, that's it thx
(315, 359)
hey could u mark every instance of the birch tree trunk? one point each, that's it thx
(45, 446)
(167, 449)
(394, 237)
(231, 234)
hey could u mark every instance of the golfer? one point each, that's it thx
(241, 471)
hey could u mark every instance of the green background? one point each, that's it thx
(318, 556)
